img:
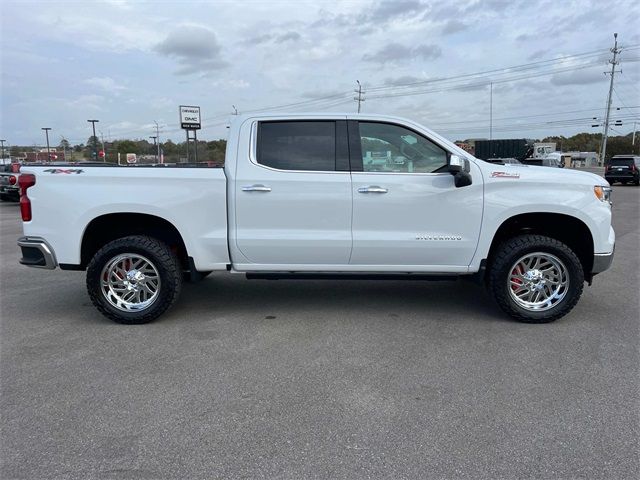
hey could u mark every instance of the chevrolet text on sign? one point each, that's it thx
(189, 117)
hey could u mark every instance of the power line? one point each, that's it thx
(506, 70)
(484, 83)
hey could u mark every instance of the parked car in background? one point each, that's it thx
(9, 188)
(623, 169)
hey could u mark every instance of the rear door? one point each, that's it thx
(293, 194)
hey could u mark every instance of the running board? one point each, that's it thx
(349, 276)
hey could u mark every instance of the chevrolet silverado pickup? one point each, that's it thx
(321, 196)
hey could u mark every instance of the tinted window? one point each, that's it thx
(297, 145)
(391, 148)
(621, 162)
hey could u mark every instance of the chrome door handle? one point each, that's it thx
(372, 189)
(256, 188)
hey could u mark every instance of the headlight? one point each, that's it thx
(602, 193)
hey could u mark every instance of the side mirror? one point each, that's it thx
(459, 168)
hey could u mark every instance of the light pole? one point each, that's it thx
(95, 139)
(46, 132)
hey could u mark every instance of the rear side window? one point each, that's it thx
(297, 145)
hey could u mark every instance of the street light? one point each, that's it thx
(46, 132)
(95, 139)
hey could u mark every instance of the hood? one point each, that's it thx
(537, 174)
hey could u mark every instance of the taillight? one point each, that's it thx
(25, 181)
(12, 180)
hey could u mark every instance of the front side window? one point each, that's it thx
(394, 149)
(297, 145)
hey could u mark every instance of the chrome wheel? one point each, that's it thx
(538, 281)
(130, 282)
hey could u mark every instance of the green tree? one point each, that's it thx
(127, 146)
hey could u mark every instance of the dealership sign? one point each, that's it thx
(189, 117)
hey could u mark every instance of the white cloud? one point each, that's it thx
(118, 59)
(107, 84)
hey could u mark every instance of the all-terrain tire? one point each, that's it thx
(504, 260)
(163, 259)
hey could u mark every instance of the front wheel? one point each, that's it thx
(133, 280)
(535, 279)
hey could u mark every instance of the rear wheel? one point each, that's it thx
(535, 279)
(133, 280)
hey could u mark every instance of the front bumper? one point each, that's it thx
(36, 252)
(602, 262)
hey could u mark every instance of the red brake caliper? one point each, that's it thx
(514, 279)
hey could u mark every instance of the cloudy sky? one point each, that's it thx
(128, 63)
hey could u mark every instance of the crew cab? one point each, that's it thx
(322, 196)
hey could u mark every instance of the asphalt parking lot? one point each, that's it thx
(320, 379)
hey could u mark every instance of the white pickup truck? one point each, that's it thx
(320, 196)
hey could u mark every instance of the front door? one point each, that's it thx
(293, 195)
(406, 208)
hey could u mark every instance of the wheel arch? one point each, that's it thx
(567, 229)
(111, 226)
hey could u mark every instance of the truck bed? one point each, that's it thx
(66, 198)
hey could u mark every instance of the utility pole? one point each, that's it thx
(633, 139)
(158, 137)
(154, 144)
(491, 111)
(359, 98)
(64, 147)
(615, 50)
(2, 140)
(46, 132)
(95, 139)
